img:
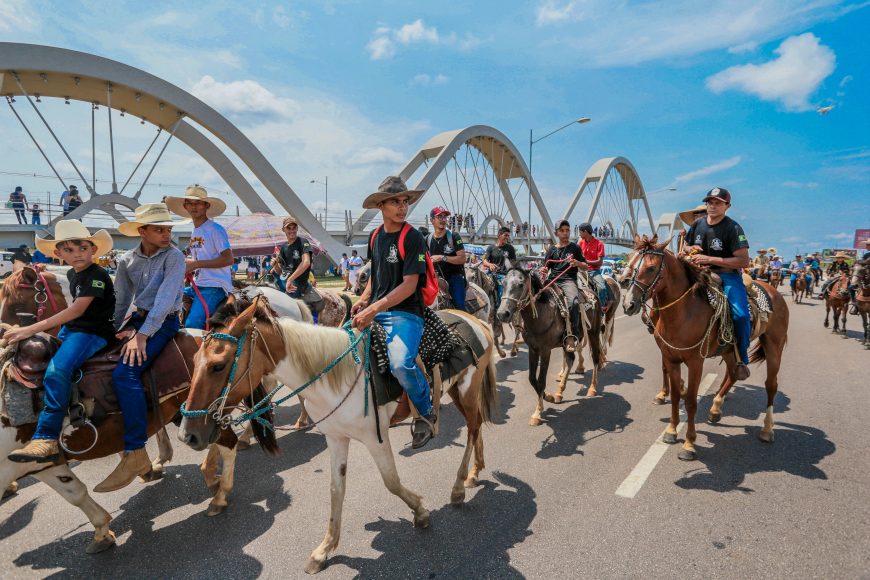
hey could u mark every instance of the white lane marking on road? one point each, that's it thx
(638, 476)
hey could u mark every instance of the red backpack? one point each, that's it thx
(430, 289)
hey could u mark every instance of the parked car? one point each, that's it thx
(6, 264)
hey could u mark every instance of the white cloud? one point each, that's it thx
(602, 33)
(846, 80)
(381, 47)
(416, 32)
(280, 17)
(793, 239)
(17, 16)
(791, 78)
(800, 184)
(709, 169)
(429, 80)
(376, 156)
(841, 236)
(385, 39)
(744, 47)
(242, 97)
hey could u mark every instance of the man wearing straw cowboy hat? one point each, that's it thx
(87, 328)
(759, 263)
(689, 217)
(837, 267)
(150, 277)
(393, 296)
(211, 257)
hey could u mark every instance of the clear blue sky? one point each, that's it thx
(695, 94)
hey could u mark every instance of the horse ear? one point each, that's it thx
(664, 244)
(654, 240)
(637, 240)
(243, 320)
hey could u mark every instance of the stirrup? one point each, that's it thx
(570, 347)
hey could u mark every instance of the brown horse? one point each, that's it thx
(837, 298)
(800, 287)
(543, 329)
(33, 291)
(775, 277)
(294, 353)
(861, 280)
(687, 330)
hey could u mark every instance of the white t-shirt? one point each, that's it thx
(342, 266)
(355, 263)
(206, 243)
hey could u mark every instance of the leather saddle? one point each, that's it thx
(170, 373)
(474, 300)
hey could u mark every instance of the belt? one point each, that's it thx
(144, 313)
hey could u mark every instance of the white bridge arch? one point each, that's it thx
(28, 70)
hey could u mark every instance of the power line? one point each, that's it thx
(68, 179)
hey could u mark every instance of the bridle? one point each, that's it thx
(42, 294)
(646, 290)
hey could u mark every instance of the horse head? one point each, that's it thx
(32, 292)
(228, 368)
(516, 288)
(647, 271)
(362, 278)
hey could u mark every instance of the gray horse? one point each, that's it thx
(543, 330)
(486, 283)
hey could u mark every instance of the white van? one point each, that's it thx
(5, 264)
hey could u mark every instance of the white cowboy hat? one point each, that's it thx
(771, 251)
(149, 214)
(688, 216)
(391, 187)
(67, 230)
(196, 192)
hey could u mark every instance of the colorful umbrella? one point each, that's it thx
(259, 234)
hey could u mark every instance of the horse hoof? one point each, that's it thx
(669, 438)
(98, 546)
(215, 510)
(557, 398)
(153, 475)
(422, 521)
(10, 490)
(826, 325)
(715, 417)
(660, 401)
(592, 392)
(314, 566)
(514, 353)
(766, 436)
(548, 397)
(686, 455)
(535, 421)
(471, 482)
(457, 498)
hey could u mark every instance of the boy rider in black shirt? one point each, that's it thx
(448, 255)
(561, 264)
(719, 242)
(393, 296)
(495, 258)
(87, 327)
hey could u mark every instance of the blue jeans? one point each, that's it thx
(37, 221)
(127, 380)
(498, 279)
(404, 331)
(77, 347)
(213, 296)
(597, 280)
(735, 291)
(456, 284)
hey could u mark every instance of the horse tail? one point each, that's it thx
(264, 435)
(756, 353)
(348, 305)
(488, 396)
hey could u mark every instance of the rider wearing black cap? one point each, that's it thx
(719, 242)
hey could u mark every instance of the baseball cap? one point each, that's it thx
(438, 210)
(719, 193)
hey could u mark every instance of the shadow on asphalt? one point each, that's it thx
(471, 541)
(19, 520)
(197, 546)
(727, 459)
(575, 424)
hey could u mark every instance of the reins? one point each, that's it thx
(42, 294)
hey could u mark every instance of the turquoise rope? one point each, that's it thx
(240, 342)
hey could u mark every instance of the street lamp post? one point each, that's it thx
(532, 141)
(325, 184)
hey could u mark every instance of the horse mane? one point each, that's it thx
(313, 347)
(699, 277)
(10, 289)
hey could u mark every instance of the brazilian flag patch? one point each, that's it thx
(98, 284)
(742, 237)
(421, 258)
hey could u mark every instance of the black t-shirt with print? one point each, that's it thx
(557, 254)
(291, 257)
(497, 254)
(99, 316)
(446, 246)
(389, 269)
(720, 240)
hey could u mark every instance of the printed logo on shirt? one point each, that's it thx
(393, 255)
(716, 244)
(295, 254)
(421, 258)
(448, 250)
(742, 237)
(98, 284)
(197, 242)
(698, 239)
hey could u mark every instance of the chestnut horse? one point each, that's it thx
(257, 347)
(801, 285)
(837, 298)
(687, 331)
(861, 280)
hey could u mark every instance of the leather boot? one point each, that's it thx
(133, 464)
(423, 430)
(403, 411)
(38, 451)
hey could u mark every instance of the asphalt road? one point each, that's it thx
(546, 506)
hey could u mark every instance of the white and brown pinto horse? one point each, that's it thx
(291, 353)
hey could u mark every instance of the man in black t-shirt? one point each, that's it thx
(448, 255)
(497, 256)
(87, 326)
(837, 267)
(718, 241)
(561, 263)
(393, 296)
(294, 260)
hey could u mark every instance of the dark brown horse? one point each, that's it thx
(837, 299)
(488, 284)
(687, 330)
(543, 330)
(801, 286)
(861, 280)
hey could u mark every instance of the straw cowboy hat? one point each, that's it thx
(771, 251)
(841, 255)
(67, 230)
(196, 192)
(391, 187)
(149, 214)
(761, 251)
(688, 216)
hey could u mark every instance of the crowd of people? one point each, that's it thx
(69, 201)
